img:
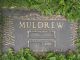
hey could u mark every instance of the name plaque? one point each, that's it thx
(40, 35)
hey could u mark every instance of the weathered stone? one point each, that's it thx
(37, 32)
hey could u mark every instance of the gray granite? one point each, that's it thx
(37, 32)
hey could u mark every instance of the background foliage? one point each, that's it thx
(68, 8)
(26, 54)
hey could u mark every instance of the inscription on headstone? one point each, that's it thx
(36, 32)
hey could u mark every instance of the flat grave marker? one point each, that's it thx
(27, 29)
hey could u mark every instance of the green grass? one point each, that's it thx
(68, 8)
(26, 54)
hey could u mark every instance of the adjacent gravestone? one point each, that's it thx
(39, 33)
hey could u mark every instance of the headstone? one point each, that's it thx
(39, 33)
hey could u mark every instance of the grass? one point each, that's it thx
(68, 8)
(26, 54)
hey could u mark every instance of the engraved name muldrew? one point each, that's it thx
(35, 37)
(39, 33)
(40, 24)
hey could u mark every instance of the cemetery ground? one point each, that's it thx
(71, 12)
